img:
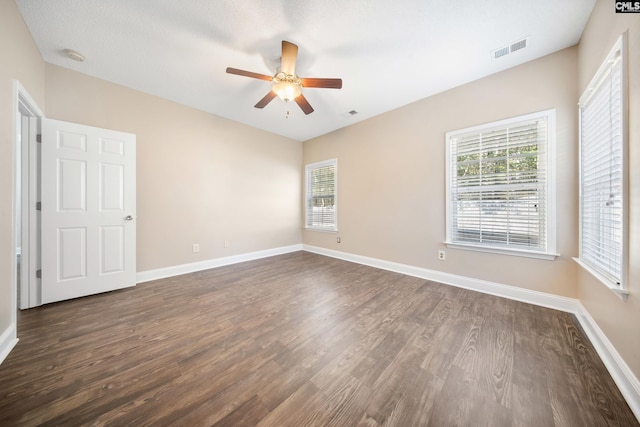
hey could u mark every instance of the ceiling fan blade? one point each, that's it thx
(324, 83)
(289, 56)
(249, 74)
(304, 104)
(267, 99)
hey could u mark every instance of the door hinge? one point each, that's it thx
(38, 274)
(38, 206)
(39, 137)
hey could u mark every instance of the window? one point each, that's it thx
(499, 186)
(603, 174)
(321, 196)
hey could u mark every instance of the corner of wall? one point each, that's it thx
(8, 340)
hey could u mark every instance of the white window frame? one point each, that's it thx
(549, 251)
(617, 55)
(333, 227)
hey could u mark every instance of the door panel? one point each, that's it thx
(112, 182)
(71, 141)
(72, 247)
(88, 210)
(112, 146)
(112, 249)
(72, 185)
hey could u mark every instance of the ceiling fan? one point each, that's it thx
(285, 84)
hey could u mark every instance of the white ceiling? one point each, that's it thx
(388, 53)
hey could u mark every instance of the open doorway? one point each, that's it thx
(18, 200)
(27, 195)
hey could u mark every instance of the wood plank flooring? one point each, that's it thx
(303, 340)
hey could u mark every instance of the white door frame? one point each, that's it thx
(24, 105)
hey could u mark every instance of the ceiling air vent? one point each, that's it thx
(518, 45)
(500, 52)
(504, 51)
(349, 114)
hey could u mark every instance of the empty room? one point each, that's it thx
(320, 213)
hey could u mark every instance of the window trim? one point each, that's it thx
(622, 290)
(307, 169)
(550, 252)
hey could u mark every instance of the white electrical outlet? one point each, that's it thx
(196, 248)
(442, 255)
(226, 243)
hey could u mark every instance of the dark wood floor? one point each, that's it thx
(303, 340)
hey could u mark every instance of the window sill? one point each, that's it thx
(623, 294)
(513, 252)
(322, 230)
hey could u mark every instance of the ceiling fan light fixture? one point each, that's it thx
(286, 90)
(285, 84)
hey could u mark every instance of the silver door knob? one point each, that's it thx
(128, 218)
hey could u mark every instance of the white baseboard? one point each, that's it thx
(511, 292)
(624, 378)
(628, 383)
(176, 270)
(8, 340)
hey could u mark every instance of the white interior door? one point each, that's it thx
(88, 210)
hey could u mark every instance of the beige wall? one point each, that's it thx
(619, 320)
(200, 178)
(391, 172)
(22, 61)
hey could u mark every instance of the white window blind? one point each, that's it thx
(602, 172)
(498, 185)
(321, 197)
